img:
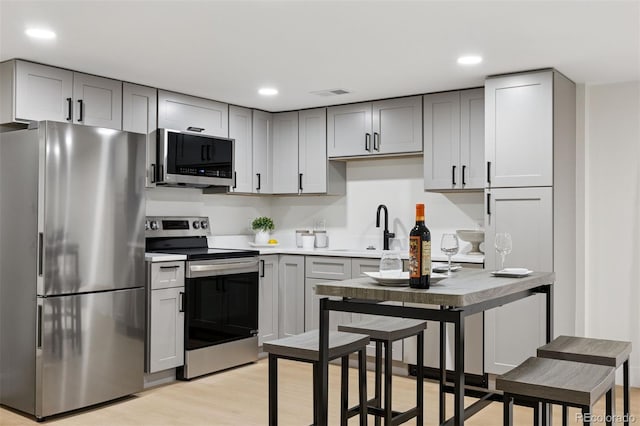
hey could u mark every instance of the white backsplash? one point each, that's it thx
(349, 219)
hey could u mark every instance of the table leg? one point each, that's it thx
(458, 399)
(443, 370)
(625, 392)
(547, 410)
(323, 364)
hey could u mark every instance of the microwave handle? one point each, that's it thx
(195, 129)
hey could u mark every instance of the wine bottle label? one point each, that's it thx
(426, 258)
(414, 257)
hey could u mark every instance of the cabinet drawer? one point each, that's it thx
(331, 268)
(359, 265)
(167, 275)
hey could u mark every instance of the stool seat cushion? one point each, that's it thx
(569, 382)
(583, 349)
(305, 346)
(386, 328)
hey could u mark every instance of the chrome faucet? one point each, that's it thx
(385, 234)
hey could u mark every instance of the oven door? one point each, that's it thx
(194, 159)
(221, 301)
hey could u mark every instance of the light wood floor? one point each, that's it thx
(239, 397)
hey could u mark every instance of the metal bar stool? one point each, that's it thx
(611, 353)
(384, 331)
(304, 347)
(539, 381)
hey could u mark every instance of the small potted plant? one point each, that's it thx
(262, 226)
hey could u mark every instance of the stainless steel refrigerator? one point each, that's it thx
(71, 266)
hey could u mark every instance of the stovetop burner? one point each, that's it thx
(187, 236)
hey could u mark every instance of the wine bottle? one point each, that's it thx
(419, 252)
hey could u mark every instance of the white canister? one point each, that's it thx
(322, 240)
(299, 234)
(307, 240)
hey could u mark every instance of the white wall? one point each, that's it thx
(609, 175)
(395, 182)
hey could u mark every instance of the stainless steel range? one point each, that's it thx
(221, 295)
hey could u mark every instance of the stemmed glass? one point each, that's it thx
(449, 245)
(503, 246)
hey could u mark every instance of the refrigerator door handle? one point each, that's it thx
(39, 325)
(40, 252)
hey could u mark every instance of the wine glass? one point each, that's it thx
(449, 245)
(390, 264)
(503, 246)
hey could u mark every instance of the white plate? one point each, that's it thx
(512, 272)
(401, 280)
(264, 245)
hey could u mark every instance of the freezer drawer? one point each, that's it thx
(91, 349)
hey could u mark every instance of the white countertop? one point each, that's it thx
(163, 257)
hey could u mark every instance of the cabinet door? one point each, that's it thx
(519, 129)
(312, 151)
(268, 299)
(291, 295)
(397, 125)
(140, 115)
(349, 130)
(514, 331)
(312, 308)
(285, 153)
(240, 129)
(262, 152)
(98, 101)
(472, 165)
(166, 349)
(181, 112)
(42, 92)
(442, 141)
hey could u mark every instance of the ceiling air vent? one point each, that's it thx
(331, 92)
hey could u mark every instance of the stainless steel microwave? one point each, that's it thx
(192, 159)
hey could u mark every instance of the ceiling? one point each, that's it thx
(374, 49)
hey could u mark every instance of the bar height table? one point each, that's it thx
(466, 293)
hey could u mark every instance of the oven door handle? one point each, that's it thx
(195, 271)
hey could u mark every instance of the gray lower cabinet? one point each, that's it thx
(268, 308)
(290, 295)
(323, 269)
(165, 333)
(514, 331)
(182, 112)
(34, 92)
(140, 115)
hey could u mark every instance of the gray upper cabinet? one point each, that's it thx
(139, 115)
(241, 129)
(39, 92)
(262, 152)
(285, 153)
(519, 129)
(391, 126)
(35, 92)
(98, 101)
(397, 125)
(454, 140)
(349, 130)
(181, 112)
(312, 151)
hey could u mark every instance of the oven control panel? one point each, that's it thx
(176, 226)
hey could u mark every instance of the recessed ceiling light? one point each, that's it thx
(40, 33)
(469, 60)
(268, 91)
